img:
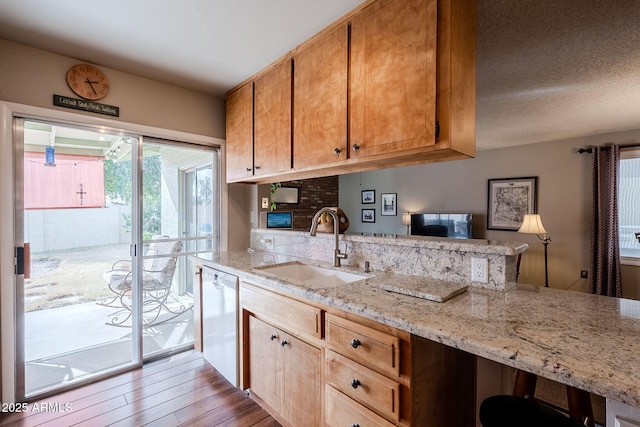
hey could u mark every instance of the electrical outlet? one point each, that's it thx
(265, 203)
(480, 270)
(584, 274)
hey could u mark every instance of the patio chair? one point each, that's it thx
(157, 277)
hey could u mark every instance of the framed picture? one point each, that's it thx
(389, 204)
(368, 196)
(368, 215)
(509, 200)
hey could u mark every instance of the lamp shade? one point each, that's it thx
(406, 218)
(532, 224)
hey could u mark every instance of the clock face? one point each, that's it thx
(87, 81)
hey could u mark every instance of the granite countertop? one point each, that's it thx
(443, 243)
(480, 246)
(587, 341)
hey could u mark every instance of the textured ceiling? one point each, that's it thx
(550, 69)
(546, 69)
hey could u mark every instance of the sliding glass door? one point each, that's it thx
(102, 218)
(168, 210)
(73, 224)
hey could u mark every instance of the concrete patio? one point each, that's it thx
(68, 336)
(69, 343)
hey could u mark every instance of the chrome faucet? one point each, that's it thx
(337, 255)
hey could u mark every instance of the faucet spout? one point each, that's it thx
(337, 255)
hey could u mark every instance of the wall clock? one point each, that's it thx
(87, 81)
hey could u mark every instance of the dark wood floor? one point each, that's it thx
(183, 390)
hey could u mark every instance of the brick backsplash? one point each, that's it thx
(313, 194)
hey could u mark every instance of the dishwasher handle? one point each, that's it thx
(216, 281)
(219, 279)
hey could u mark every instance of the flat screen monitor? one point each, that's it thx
(457, 226)
(279, 220)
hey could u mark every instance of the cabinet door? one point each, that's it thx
(320, 100)
(239, 143)
(272, 120)
(301, 387)
(393, 77)
(264, 368)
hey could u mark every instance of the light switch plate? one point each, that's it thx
(268, 243)
(265, 202)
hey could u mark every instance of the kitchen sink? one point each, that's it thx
(311, 274)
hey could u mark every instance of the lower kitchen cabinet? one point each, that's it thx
(285, 374)
(264, 362)
(301, 386)
(347, 370)
(386, 376)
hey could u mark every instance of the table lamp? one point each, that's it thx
(406, 220)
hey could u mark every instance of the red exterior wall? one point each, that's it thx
(59, 186)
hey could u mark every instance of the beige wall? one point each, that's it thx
(28, 80)
(32, 76)
(564, 197)
(242, 214)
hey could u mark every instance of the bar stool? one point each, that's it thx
(522, 410)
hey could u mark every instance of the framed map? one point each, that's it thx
(509, 200)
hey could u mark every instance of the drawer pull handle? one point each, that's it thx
(356, 147)
(273, 337)
(337, 151)
(355, 425)
(249, 169)
(355, 343)
(283, 343)
(355, 383)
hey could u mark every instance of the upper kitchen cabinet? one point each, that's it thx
(259, 125)
(456, 79)
(320, 100)
(272, 120)
(412, 82)
(390, 84)
(239, 142)
(393, 78)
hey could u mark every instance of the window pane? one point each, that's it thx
(629, 207)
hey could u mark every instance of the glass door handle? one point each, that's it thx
(23, 260)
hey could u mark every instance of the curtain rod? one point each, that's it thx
(590, 150)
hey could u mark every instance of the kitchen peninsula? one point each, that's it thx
(578, 339)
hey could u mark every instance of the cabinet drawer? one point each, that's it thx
(374, 390)
(291, 315)
(343, 411)
(374, 348)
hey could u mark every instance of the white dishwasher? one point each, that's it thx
(220, 322)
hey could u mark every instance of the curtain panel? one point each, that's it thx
(605, 244)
